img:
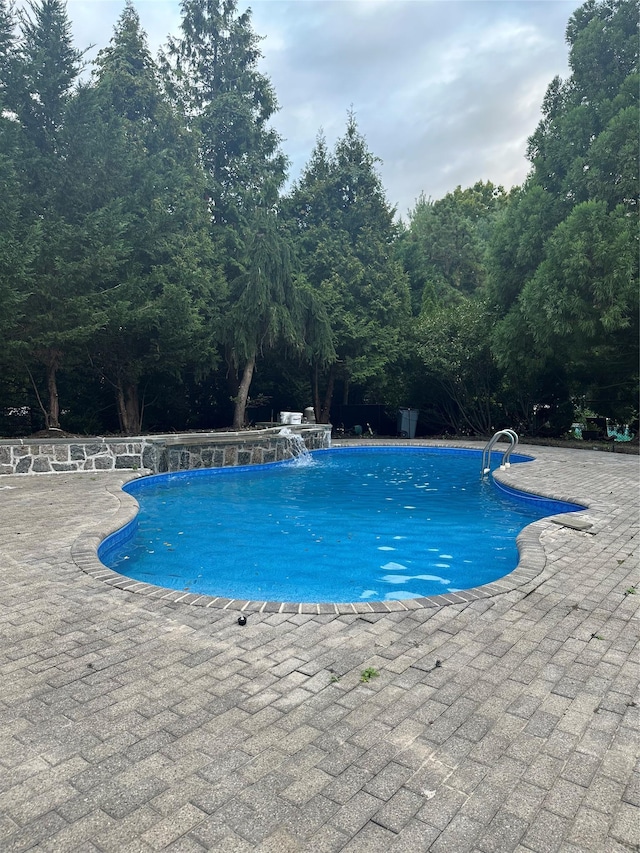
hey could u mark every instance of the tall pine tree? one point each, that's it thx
(213, 69)
(161, 304)
(345, 230)
(55, 312)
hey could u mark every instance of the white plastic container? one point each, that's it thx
(290, 417)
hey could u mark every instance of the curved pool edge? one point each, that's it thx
(532, 557)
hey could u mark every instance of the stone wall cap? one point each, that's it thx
(167, 438)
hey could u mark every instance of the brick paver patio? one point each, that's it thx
(131, 723)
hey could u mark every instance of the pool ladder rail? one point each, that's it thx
(512, 436)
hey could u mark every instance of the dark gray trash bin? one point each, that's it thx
(407, 422)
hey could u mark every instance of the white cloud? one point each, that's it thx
(446, 93)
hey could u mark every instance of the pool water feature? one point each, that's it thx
(297, 447)
(339, 525)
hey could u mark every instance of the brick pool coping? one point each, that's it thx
(532, 556)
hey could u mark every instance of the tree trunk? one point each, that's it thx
(129, 412)
(240, 408)
(231, 376)
(52, 413)
(345, 391)
(315, 390)
(328, 397)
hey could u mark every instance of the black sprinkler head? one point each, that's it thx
(242, 620)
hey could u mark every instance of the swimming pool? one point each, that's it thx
(351, 524)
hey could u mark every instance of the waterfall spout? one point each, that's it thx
(296, 446)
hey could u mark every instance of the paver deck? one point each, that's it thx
(133, 723)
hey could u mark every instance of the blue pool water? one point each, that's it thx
(350, 524)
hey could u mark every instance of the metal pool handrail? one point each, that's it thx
(512, 435)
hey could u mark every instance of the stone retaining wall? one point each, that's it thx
(159, 454)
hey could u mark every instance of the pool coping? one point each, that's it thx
(532, 557)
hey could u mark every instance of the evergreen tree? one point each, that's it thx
(13, 245)
(55, 312)
(161, 303)
(443, 248)
(582, 305)
(48, 68)
(603, 40)
(7, 52)
(346, 231)
(551, 268)
(266, 305)
(213, 70)
(444, 244)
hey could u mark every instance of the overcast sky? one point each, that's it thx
(445, 92)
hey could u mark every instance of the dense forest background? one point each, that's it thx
(155, 276)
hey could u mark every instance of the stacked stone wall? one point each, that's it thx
(157, 454)
(59, 456)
